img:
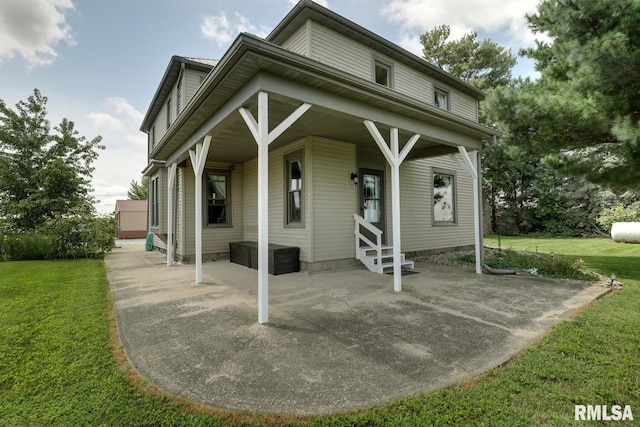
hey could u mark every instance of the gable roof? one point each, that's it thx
(307, 9)
(131, 206)
(170, 77)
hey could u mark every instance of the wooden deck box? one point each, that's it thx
(282, 259)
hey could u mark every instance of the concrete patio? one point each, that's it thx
(335, 341)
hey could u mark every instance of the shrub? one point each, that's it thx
(618, 214)
(80, 234)
(24, 246)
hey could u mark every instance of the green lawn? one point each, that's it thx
(57, 366)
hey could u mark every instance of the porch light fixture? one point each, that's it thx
(354, 178)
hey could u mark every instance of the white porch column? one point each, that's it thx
(472, 169)
(395, 159)
(198, 159)
(260, 131)
(170, 218)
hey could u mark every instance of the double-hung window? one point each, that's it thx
(168, 113)
(218, 192)
(294, 173)
(441, 98)
(444, 197)
(155, 202)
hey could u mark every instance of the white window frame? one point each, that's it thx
(154, 202)
(169, 113)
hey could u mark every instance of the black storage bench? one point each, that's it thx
(282, 259)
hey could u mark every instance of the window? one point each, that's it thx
(179, 99)
(155, 202)
(382, 72)
(294, 188)
(152, 136)
(168, 114)
(444, 197)
(441, 98)
(217, 188)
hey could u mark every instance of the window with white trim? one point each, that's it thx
(168, 113)
(294, 189)
(444, 197)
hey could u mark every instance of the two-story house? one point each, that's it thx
(323, 136)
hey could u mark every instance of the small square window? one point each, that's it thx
(441, 99)
(382, 72)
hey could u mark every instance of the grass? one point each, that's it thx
(58, 365)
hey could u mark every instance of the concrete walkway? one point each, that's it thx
(336, 341)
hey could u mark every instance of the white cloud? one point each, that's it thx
(491, 17)
(33, 28)
(223, 30)
(119, 124)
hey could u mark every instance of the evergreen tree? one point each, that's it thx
(138, 191)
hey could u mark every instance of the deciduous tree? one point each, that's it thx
(43, 173)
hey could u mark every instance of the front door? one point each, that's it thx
(372, 199)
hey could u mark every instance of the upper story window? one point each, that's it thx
(169, 113)
(382, 72)
(294, 188)
(179, 97)
(218, 190)
(152, 136)
(441, 98)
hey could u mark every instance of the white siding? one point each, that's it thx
(343, 53)
(334, 200)
(299, 40)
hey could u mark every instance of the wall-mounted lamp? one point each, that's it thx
(354, 178)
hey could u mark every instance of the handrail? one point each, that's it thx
(366, 224)
(359, 221)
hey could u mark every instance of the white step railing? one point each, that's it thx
(373, 263)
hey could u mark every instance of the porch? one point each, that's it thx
(335, 341)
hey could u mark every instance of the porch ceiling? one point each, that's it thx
(232, 142)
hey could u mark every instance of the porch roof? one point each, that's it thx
(341, 101)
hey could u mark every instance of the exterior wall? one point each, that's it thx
(300, 41)
(191, 83)
(215, 239)
(279, 233)
(336, 50)
(416, 207)
(133, 221)
(334, 200)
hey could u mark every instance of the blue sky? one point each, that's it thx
(100, 62)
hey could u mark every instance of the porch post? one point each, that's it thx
(395, 159)
(198, 159)
(170, 218)
(474, 171)
(260, 131)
